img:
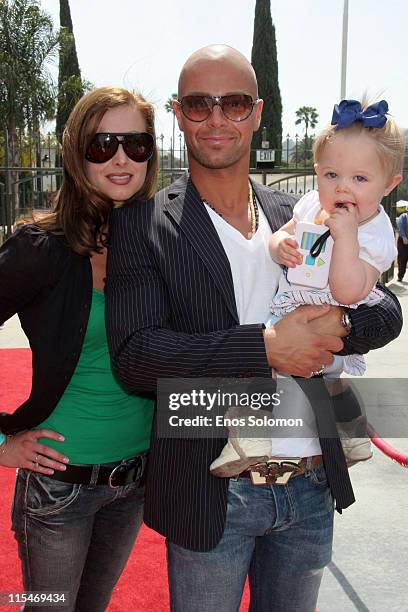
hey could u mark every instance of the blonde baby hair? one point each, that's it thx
(389, 140)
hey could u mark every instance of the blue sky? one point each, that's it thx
(142, 44)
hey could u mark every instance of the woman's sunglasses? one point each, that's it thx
(236, 107)
(138, 146)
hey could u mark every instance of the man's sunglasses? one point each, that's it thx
(236, 107)
(138, 146)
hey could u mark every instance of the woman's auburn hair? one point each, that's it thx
(80, 211)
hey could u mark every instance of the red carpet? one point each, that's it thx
(143, 585)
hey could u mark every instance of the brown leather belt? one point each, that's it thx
(279, 470)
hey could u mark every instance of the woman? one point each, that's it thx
(79, 497)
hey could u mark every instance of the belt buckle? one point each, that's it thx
(277, 471)
(138, 469)
(112, 475)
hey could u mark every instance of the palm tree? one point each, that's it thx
(169, 108)
(309, 116)
(28, 45)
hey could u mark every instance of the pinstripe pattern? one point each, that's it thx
(376, 326)
(171, 313)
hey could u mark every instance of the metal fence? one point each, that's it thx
(31, 186)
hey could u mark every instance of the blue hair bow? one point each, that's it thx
(349, 111)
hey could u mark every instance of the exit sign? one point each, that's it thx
(265, 155)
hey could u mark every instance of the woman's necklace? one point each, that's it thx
(252, 209)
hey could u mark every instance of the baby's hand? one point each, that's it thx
(286, 253)
(343, 222)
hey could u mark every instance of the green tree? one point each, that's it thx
(70, 85)
(265, 63)
(28, 45)
(302, 153)
(169, 108)
(307, 115)
(403, 189)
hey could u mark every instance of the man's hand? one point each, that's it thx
(294, 347)
(329, 323)
(24, 451)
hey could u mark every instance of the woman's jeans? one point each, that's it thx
(278, 535)
(74, 538)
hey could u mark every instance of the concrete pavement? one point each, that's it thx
(370, 551)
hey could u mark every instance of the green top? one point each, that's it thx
(100, 421)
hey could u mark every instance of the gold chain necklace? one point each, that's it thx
(252, 208)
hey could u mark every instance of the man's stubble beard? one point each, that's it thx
(214, 162)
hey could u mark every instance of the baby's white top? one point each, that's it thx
(375, 237)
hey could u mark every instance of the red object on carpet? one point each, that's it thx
(386, 448)
(143, 584)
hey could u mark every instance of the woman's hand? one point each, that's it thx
(24, 451)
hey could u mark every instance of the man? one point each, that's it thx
(402, 244)
(189, 285)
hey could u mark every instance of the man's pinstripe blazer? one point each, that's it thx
(171, 312)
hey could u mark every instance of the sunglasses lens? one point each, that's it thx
(138, 147)
(237, 107)
(102, 148)
(196, 108)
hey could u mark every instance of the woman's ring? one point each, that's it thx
(35, 462)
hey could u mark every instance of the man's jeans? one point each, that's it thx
(280, 535)
(74, 538)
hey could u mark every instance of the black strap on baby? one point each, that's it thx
(316, 248)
